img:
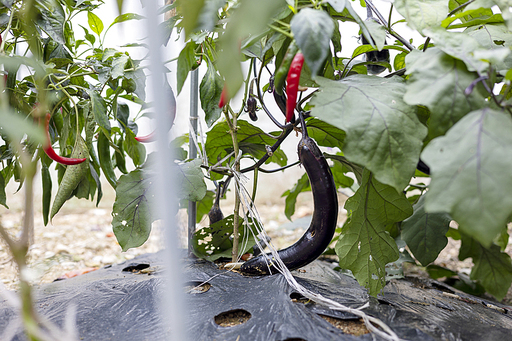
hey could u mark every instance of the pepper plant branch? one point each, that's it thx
(277, 169)
(260, 97)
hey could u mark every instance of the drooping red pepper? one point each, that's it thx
(147, 138)
(224, 97)
(52, 154)
(292, 84)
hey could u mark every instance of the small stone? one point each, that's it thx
(49, 254)
(61, 248)
(109, 259)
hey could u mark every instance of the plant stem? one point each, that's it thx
(233, 131)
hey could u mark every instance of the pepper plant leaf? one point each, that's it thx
(312, 30)
(302, 185)
(186, 61)
(325, 134)
(421, 14)
(131, 213)
(425, 233)
(210, 90)
(3, 197)
(438, 82)
(492, 267)
(383, 132)
(191, 179)
(251, 140)
(469, 173)
(364, 246)
(99, 109)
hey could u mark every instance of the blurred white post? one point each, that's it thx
(172, 305)
(192, 208)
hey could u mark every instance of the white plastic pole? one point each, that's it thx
(173, 308)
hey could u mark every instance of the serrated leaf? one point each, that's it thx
(325, 134)
(191, 179)
(421, 14)
(383, 132)
(425, 233)
(312, 30)
(434, 75)
(210, 90)
(492, 268)
(99, 109)
(95, 23)
(364, 246)
(469, 173)
(131, 212)
(302, 185)
(186, 60)
(251, 140)
(458, 45)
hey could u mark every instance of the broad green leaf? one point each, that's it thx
(210, 90)
(458, 45)
(191, 179)
(492, 268)
(302, 185)
(127, 16)
(338, 171)
(425, 233)
(213, 242)
(52, 19)
(436, 271)
(251, 140)
(131, 212)
(383, 132)
(434, 75)
(493, 37)
(16, 127)
(504, 6)
(99, 109)
(95, 23)
(469, 170)
(325, 134)
(242, 24)
(186, 60)
(364, 246)
(421, 14)
(312, 30)
(3, 197)
(378, 33)
(204, 205)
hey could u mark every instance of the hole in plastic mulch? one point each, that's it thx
(352, 327)
(294, 339)
(135, 267)
(296, 297)
(232, 318)
(196, 287)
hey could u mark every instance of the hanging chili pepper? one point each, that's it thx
(52, 154)
(292, 84)
(224, 97)
(152, 136)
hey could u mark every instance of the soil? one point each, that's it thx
(352, 327)
(80, 238)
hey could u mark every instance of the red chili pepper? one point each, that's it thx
(146, 139)
(292, 84)
(224, 99)
(52, 154)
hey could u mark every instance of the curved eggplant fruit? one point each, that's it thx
(215, 213)
(323, 224)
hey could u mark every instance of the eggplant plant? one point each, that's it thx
(419, 128)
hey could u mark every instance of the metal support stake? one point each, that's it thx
(192, 208)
